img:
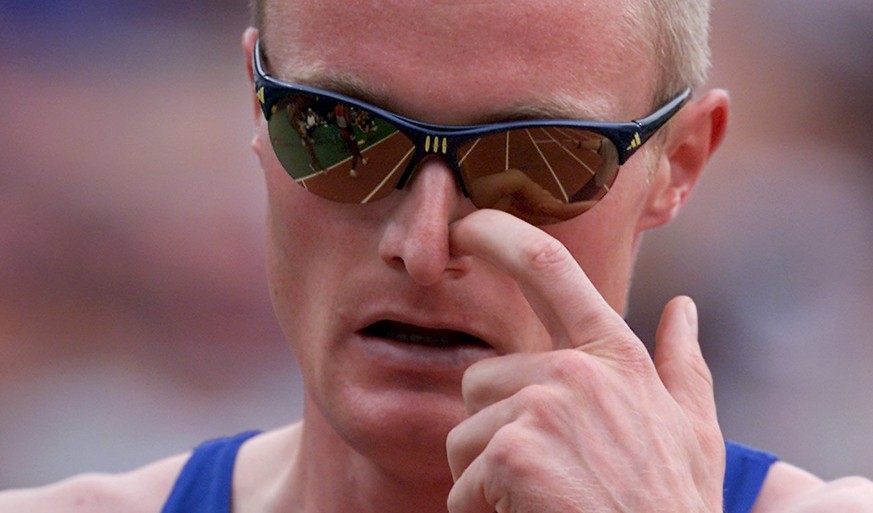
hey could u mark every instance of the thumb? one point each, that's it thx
(679, 360)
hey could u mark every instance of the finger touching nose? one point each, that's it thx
(415, 237)
(556, 287)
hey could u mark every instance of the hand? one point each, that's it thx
(595, 425)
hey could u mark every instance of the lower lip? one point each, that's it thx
(419, 358)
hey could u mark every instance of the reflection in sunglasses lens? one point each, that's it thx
(338, 151)
(344, 153)
(543, 175)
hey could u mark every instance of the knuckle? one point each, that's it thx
(509, 452)
(538, 401)
(475, 395)
(700, 368)
(692, 367)
(712, 445)
(456, 502)
(625, 351)
(632, 355)
(454, 440)
(575, 368)
(546, 254)
(469, 388)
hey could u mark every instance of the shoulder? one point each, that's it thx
(789, 489)
(141, 491)
(144, 490)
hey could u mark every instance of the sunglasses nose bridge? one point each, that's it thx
(428, 147)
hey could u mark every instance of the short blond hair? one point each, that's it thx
(681, 32)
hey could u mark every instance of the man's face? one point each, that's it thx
(371, 298)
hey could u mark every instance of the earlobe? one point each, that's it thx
(692, 138)
(249, 37)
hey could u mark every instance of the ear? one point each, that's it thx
(692, 137)
(249, 37)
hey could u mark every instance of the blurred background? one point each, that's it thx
(134, 317)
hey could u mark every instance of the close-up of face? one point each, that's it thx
(175, 193)
(382, 316)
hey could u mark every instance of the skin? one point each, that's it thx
(389, 415)
(562, 410)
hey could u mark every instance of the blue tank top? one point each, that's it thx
(204, 485)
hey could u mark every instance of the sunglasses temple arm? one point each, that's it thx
(262, 82)
(647, 127)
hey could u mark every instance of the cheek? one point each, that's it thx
(304, 255)
(301, 228)
(316, 250)
(290, 248)
(604, 239)
(291, 222)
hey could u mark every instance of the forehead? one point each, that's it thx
(461, 61)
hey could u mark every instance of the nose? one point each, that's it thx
(415, 238)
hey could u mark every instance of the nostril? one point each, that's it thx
(422, 254)
(396, 263)
(415, 235)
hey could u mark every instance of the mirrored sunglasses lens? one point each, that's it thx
(336, 150)
(543, 175)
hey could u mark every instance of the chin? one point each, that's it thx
(403, 430)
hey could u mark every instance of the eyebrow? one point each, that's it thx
(317, 75)
(353, 87)
(557, 106)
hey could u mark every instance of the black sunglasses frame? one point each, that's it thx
(432, 139)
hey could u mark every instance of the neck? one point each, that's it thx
(328, 475)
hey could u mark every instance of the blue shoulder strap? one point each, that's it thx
(744, 474)
(205, 482)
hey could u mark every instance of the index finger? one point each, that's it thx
(554, 284)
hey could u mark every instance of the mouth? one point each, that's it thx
(421, 336)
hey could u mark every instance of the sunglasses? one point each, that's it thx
(542, 171)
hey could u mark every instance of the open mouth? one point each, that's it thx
(417, 335)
